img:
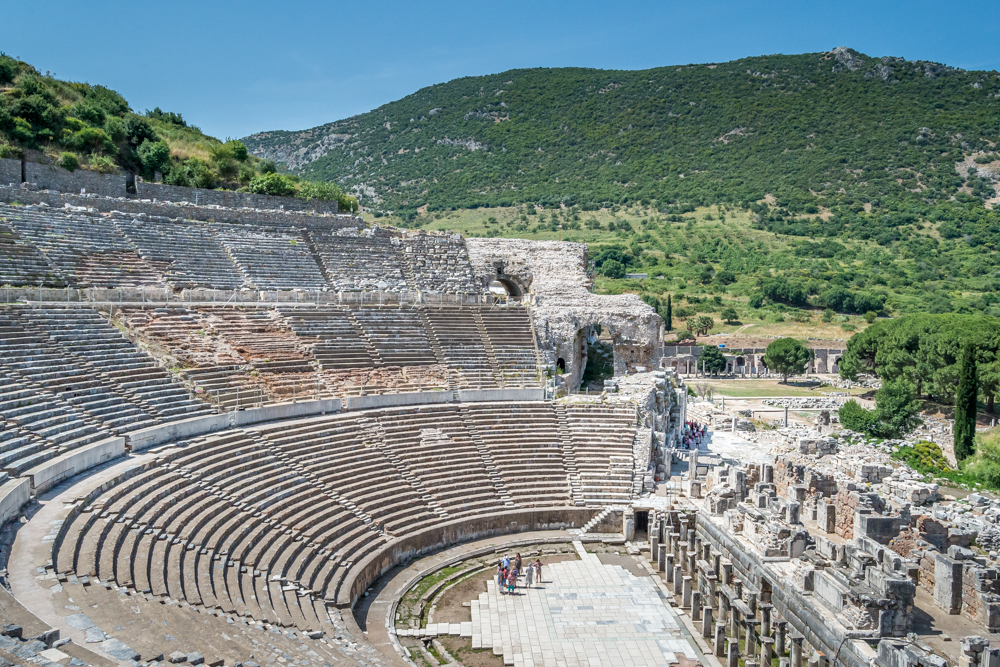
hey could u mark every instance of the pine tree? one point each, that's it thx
(669, 319)
(965, 403)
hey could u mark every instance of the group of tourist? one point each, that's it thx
(693, 434)
(509, 570)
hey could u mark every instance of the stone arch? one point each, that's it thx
(514, 288)
(561, 365)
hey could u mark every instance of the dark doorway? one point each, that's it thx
(642, 521)
(561, 365)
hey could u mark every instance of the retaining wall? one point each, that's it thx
(521, 394)
(229, 199)
(52, 177)
(393, 400)
(453, 532)
(53, 471)
(138, 206)
(13, 496)
(10, 171)
(286, 411)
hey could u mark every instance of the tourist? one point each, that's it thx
(538, 571)
(517, 562)
(529, 576)
(511, 582)
(501, 578)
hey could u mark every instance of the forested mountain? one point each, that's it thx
(839, 131)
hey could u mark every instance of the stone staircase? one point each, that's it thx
(598, 518)
(491, 467)
(569, 457)
(374, 436)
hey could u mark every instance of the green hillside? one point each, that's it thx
(814, 130)
(783, 186)
(84, 126)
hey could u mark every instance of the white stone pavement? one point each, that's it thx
(584, 614)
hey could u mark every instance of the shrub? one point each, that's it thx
(984, 465)
(828, 315)
(871, 316)
(924, 457)
(69, 161)
(612, 268)
(103, 164)
(154, 155)
(856, 418)
(271, 184)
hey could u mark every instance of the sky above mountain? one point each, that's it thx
(234, 68)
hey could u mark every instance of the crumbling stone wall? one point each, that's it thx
(169, 210)
(10, 171)
(555, 274)
(231, 199)
(52, 177)
(850, 498)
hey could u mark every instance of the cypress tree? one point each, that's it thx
(965, 403)
(669, 319)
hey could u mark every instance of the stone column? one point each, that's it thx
(654, 547)
(765, 619)
(767, 473)
(695, 606)
(766, 650)
(780, 628)
(684, 557)
(720, 641)
(723, 609)
(668, 566)
(686, 592)
(796, 652)
(752, 603)
(734, 623)
(677, 579)
(733, 657)
(712, 586)
(751, 642)
(706, 621)
(675, 545)
(661, 557)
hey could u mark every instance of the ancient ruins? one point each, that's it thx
(258, 436)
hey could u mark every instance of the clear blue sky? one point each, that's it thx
(234, 68)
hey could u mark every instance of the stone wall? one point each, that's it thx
(555, 273)
(52, 177)
(10, 171)
(139, 207)
(227, 199)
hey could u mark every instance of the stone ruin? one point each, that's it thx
(566, 311)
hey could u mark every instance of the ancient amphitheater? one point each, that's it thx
(265, 436)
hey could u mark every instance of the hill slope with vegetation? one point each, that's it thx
(783, 186)
(79, 125)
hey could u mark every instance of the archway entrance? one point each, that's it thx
(561, 365)
(641, 524)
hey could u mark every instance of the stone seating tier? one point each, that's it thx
(267, 522)
(56, 247)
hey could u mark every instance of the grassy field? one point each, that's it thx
(768, 388)
(674, 249)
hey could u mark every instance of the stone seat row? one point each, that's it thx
(83, 250)
(267, 522)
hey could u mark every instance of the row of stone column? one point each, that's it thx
(707, 587)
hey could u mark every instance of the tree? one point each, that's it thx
(712, 360)
(965, 403)
(896, 410)
(786, 356)
(612, 268)
(856, 418)
(729, 315)
(701, 325)
(271, 184)
(669, 316)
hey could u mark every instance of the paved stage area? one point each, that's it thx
(584, 613)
